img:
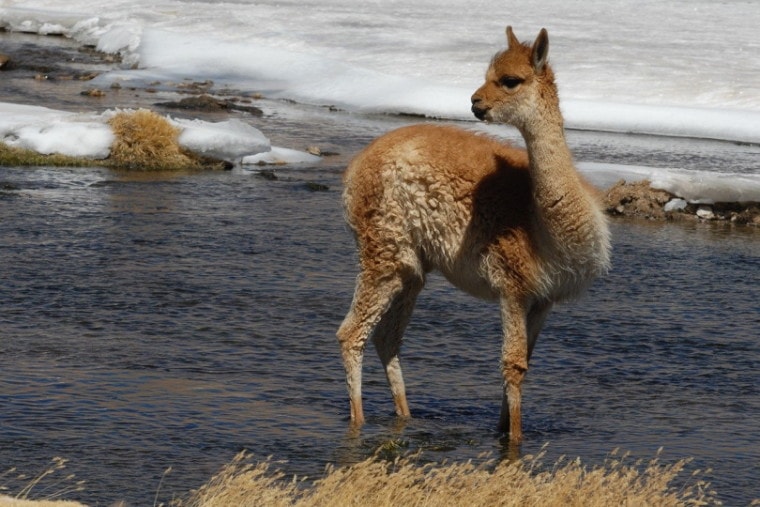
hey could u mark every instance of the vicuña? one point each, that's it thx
(501, 223)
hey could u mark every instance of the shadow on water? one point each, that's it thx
(151, 321)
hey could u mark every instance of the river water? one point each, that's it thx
(163, 320)
(171, 320)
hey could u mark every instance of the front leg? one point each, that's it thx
(514, 363)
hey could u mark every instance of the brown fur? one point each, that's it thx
(498, 222)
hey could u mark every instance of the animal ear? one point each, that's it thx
(540, 51)
(511, 39)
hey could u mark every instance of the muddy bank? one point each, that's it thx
(640, 200)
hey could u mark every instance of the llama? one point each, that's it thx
(501, 223)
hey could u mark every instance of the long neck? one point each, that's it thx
(567, 214)
(551, 163)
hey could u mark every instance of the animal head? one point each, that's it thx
(518, 82)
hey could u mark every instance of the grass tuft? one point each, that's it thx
(21, 157)
(405, 481)
(146, 141)
(47, 487)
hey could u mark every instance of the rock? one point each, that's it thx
(316, 187)
(94, 92)
(267, 174)
(196, 86)
(208, 103)
(198, 103)
(88, 76)
(319, 152)
(705, 212)
(4, 61)
(675, 205)
(748, 215)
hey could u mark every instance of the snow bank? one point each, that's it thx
(50, 131)
(278, 73)
(599, 90)
(702, 123)
(228, 140)
(693, 186)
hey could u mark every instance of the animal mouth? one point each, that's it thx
(480, 113)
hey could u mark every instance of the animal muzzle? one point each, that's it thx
(478, 108)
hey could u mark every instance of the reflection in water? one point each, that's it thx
(151, 321)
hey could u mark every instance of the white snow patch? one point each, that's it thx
(281, 156)
(48, 131)
(227, 140)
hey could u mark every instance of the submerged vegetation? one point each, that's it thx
(144, 141)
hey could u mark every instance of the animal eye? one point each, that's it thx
(511, 82)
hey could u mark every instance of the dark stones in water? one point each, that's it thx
(267, 174)
(210, 104)
(316, 187)
(313, 186)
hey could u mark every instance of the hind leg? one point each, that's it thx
(388, 336)
(536, 319)
(374, 295)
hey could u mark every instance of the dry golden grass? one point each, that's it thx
(48, 486)
(409, 482)
(405, 481)
(147, 141)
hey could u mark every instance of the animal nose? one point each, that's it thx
(477, 108)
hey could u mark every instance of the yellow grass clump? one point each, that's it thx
(147, 141)
(404, 481)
